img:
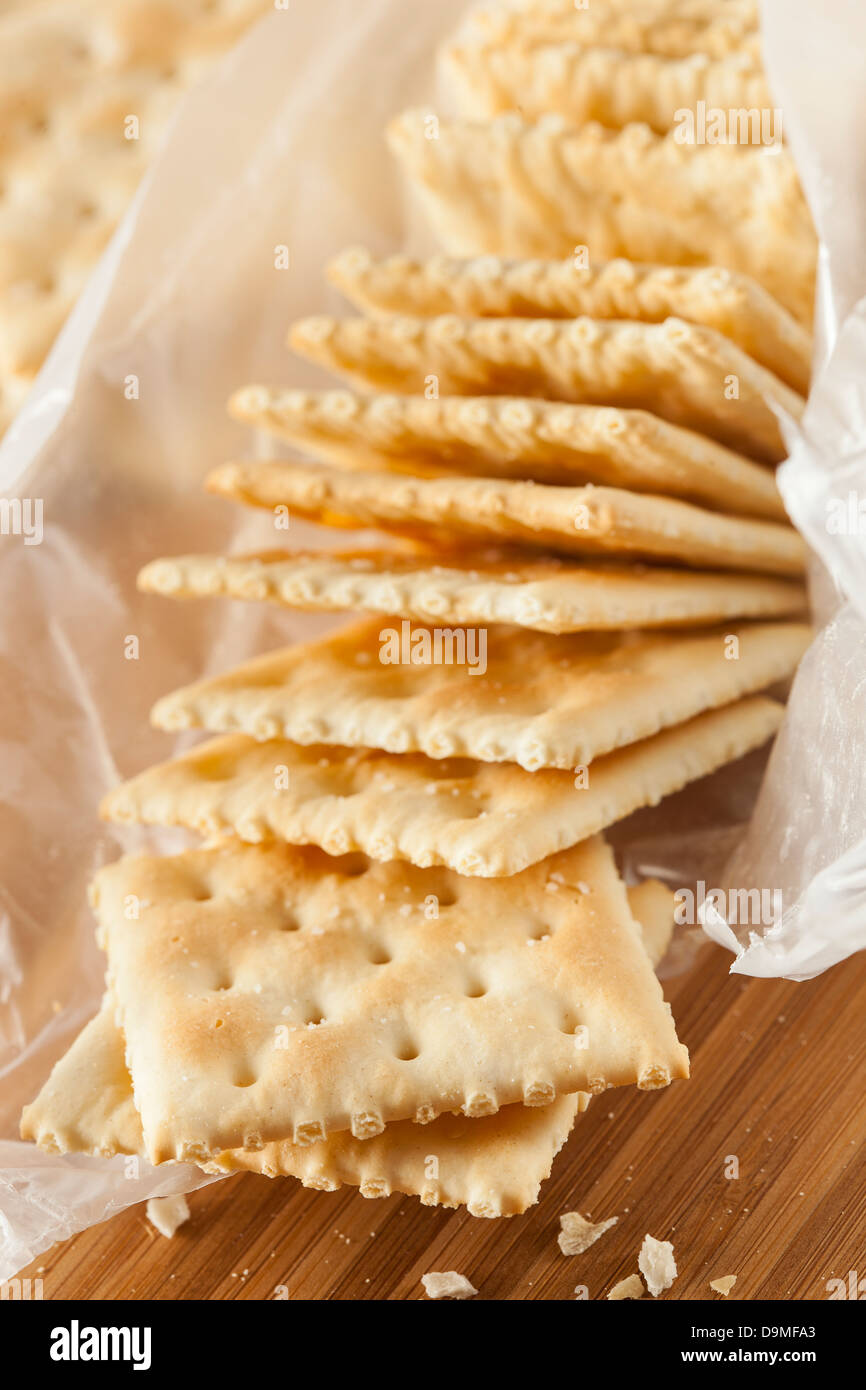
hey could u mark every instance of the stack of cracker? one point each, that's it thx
(404, 958)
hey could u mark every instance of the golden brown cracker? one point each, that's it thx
(490, 287)
(575, 521)
(689, 375)
(481, 819)
(509, 187)
(274, 993)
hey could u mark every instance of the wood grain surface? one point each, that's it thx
(777, 1082)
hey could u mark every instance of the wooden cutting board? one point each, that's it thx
(777, 1084)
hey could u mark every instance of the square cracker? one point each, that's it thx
(493, 1165)
(540, 701)
(671, 28)
(516, 188)
(489, 287)
(484, 820)
(513, 437)
(598, 84)
(572, 521)
(680, 371)
(544, 595)
(276, 993)
(335, 691)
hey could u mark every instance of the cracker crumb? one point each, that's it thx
(167, 1213)
(724, 1284)
(447, 1284)
(577, 1234)
(632, 1287)
(657, 1264)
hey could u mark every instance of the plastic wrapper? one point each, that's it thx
(283, 147)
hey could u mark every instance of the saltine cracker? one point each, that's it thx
(510, 187)
(687, 374)
(488, 586)
(490, 287)
(276, 993)
(575, 521)
(481, 819)
(493, 1165)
